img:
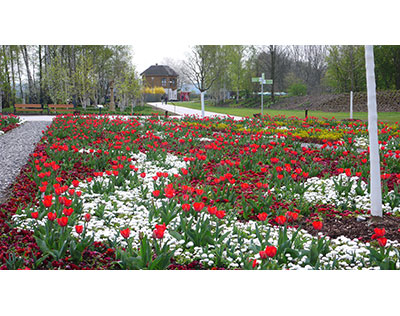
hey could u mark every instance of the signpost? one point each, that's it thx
(262, 81)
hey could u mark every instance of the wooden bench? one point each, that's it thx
(28, 108)
(56, 108)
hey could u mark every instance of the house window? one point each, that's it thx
(164, 82)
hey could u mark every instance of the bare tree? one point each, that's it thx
(202, 69)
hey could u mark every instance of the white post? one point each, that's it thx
(262, 94)
(202, 103)
(262, 98)
(351, 104)
(375, 173)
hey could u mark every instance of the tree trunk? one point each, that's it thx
(40, 76)
(202, 104)
(272, 52)
(112, 104)
(19, 77)
(375, 172)
(12, 75)
(30, 82)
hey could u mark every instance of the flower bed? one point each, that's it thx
(156, 193)
(9, 122)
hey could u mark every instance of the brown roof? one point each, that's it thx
(159, 70)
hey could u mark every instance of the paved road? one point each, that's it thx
(187, 111)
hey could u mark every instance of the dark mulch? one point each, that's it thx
(363, 230)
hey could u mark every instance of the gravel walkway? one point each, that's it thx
(15, 147)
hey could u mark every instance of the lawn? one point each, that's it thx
(391, 117)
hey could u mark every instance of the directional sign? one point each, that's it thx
(262, 81)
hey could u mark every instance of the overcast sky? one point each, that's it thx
(145, 55)
(159, 33)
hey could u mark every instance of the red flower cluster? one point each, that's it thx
(159, 231)
(379, 236)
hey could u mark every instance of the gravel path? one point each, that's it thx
(15, 147)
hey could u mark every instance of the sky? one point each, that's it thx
(157, 31)
(145, 55)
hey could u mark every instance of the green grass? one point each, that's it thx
(390, 117)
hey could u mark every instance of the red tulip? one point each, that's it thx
(263, 254)
(212, 210)
(143, 174)
(35, 215)
(68, 211)
(186, 207)
(51, 216)
(198, 206)
(48, 200)
(379, 232)
(43, 189)
(382, 241)
(87, 217)
(274, 160)
(75, 183)
(262, 216)
(159, 231)
(270, 251)
(156, 193)
(125, 233)
(317, 225)
(63, 221)
(220, 214)
(79, 229)
(291, 216)
(280, 219)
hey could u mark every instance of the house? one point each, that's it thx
(162, 76)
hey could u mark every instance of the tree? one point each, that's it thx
(58, 82)
(375, 173)
(236, 58)
(274, 62)
(85, 80)
(129, 88)
(202, 68)
(346, 68)
(119, 61)
(387, 61)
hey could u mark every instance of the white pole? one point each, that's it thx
(202, 104)
(351, 104)
(262, 98)
(375, 173)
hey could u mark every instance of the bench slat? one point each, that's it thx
(54, 108)
(60, 106)
(19, 106)
(28, 108)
